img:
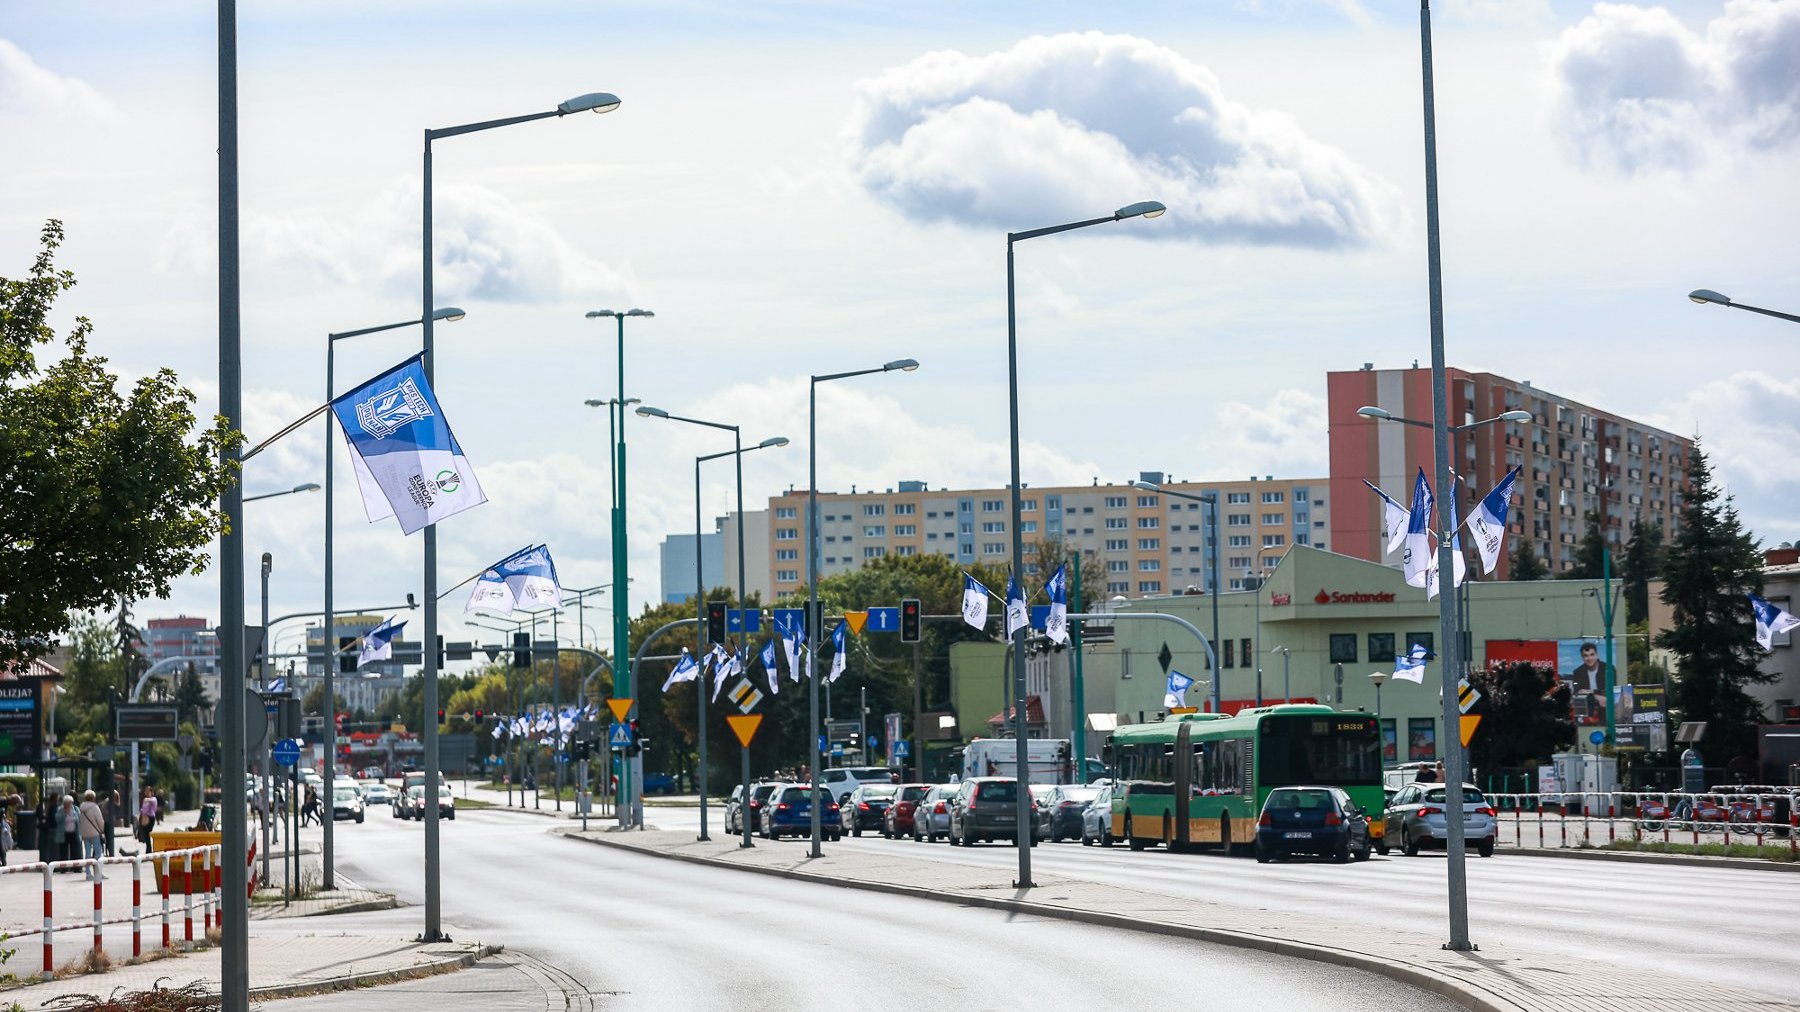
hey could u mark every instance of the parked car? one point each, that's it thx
(899, 818)
(789, 812)
(1061, 811)
(660, 783)
(840, 781)
(866, 807)
(1312, 820)
(759, 797)
(1415, 819)
(1096, 817)
(986, 808)
(931, 816)
(378, 793)
(345, 802)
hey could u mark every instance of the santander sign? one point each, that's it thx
(1353, 597)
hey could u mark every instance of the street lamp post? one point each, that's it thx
(1145, 209)
(630, 814)
(812, 569)
(332, 658)
(592, 102)
(1706, 295)
(1211, 499)
(1261, 578)
(1287, 694)
(308, 487)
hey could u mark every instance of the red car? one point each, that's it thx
(899, 818)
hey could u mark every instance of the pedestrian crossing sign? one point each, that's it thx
(620, 736)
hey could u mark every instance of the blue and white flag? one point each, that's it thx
(1177, 690)
(975, 602)
(723, 669)
(1771, 621)
(378, 643)
(277, 685)
(1394, 518)
(1488, 522)
(1415, 558)
(840, 645)
(792, 645)
(771, 667)
(1017, 615)
(526, 580)
(1411, 665)
(1459, 563)
(408, 463)
(1056, 624)
(499, 726)
(686, 670)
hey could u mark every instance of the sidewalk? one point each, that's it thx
(1495, 978)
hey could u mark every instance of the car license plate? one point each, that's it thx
(1298, 835)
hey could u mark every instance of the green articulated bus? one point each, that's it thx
(1202, 777)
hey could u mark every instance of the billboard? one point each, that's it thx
(1580, 663)
(1642, 720)
(20, 739)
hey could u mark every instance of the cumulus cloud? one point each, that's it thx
(1748, 424)
(1641, 92)
(1068, 126)
(29, 88)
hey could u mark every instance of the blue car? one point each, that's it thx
(1312, 820)
(659, 783)
(790, 813)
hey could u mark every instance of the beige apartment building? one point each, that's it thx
(1150, 543)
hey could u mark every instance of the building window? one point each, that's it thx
(1111, 588)
(781, 513)
(1115, 502)
(1146, 523)
(781, 555)
(1030, 570)
(993, 548)
(781, 576)
(1112, 566)
(1421, 739)
(1236, 583)
(1173, 550)
(1025, 506)
(1025, 527)
(874, 552)
(1227, 661)
(902, 550)
(901, 509)
(1051, 502)
(1274, 518)
(1247, 649)
(1299, 539)
(1424, 639)
(968, 527)
(1234, 541)
(787, 534)
(874, 510)
(990, 527)
(1238, 561)
(929, 537)
(1273, 497)
(1343, 648)
(1236, 498)
(1149, 565)
(1144, 587)
(1117, 523)
(875, 531)
(1149, 544)
(1237, 519)
(1144, 502)
(900, 531)
(1299, 496)
(1117, 544)
(1269, 541)
(968, 548)
(1381, 648)
(1390, 750)
(993, 505)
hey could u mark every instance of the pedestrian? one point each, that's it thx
(91, 827)
(68, 830)
(6, 829)
(147, 815)
(310, 810)
(111, 810)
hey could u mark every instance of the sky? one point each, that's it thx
(812, 186)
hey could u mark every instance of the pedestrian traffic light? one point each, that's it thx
(346, 655)
(478, 717)
(715, 621)
(521, 650)
(440, 718)
(909, 620)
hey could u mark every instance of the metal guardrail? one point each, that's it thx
(1588, 819)
(177, 867)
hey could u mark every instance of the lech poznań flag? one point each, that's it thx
(1415, 560)
(1176, 693)
(1411, 665)
(378, 643)
(771, 666)
(408, 463)
(1771, 621)
(1056, 624)
(1017, 615)
(1488, 522)
(686, 670)
(975, 602)
(1460, 565)
(1394, 519)
(840, 645)
(526, 580)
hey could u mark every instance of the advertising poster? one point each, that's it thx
(1581, 663)
(1390, 747)
(1642, 722)
(20, 742)
(1421, 739)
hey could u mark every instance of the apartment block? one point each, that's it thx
(1149, 543)
(1577, 459)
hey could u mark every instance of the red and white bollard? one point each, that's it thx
(168, 886)
(187, 891)
(49, 963)
(137, 907)
(1610, 828)
(206, 910)
(94, 868)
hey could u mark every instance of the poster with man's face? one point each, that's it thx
(1582, 664)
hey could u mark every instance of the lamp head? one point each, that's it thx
(1378, 677)
(1148, 486)
(592, 403)
(632, 400)
(449, 313)
(1143, 208)
(650, 412)
(1379, 414)
(773, 441)
(1515, 416)
(307, 487)
(594, 101)
(903, 364)
(594, 314)
(639, 312)
(1705, 295)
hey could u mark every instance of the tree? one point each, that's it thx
(107, 496)
(1589, 553)
(1643, 560)
(1526, 565)
(1711, 563)
(190, 696)
(1525, 716)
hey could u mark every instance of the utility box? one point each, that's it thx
(1586, 781)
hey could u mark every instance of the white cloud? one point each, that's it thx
(29, 88)
(1069, 126)
(1642, 92)
(1281, 437)
(1749, 425)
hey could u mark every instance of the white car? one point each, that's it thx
(346, 803)
(839, 782)
(378, 793)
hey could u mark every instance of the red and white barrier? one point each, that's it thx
(207, 897)
(1746, 818)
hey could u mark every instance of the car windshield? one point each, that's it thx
(1471, 796)
(762, 792)
(913, 793)
(1081, 794)
(1305, 800)
(343, 794)
(879, 793)
(794, 795)
(999, 790)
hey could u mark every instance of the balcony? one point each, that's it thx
(1567, 539)
(1567, 511)
(1566, 482)
(1568, 427)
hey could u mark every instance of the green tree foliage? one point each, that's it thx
(92, 674)
(1526, 565)
(1642, 563)
(191, 699)
(1711, 563)
(1589, 553)
(1524, 716)
(108, 497)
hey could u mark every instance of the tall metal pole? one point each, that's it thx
(1023, 801)
(1078, 734)
(1212, 524)
(918, 716)
(1440, 413)
(812, 600)
(743, 633)
(328, 877)
(234, 976)
(428, 670)
(557, 758)
(700, 638)
(1258, 631)
(263, 678)
(1606, 614)
(630, 812)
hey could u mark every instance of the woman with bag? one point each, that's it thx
(146, 818)
(91, 826)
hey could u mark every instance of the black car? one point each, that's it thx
(866, 807)
(1063, 811)
(1312, 820)
(987, 808)
(736, 821)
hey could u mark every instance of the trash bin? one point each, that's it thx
(25, 834)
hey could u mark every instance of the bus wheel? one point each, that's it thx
(1225, 834)
(1131, 839)
(1168, 834)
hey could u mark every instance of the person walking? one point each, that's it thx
(147, 814)
(91, 828)
(6, 828)
(310, 810)
(68, 831)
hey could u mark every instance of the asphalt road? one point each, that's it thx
(1721, 925)
(642, 932)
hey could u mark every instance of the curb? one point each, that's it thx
(1437, 983)
(1650, 857)
(373, 978)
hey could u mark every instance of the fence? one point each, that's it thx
(1567, 819)
(177, 869)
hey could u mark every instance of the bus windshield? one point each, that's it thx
(1335, 750)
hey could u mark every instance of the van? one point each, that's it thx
(1048, 758)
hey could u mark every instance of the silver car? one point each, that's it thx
(1415, 819)
(931, 817)
(1096, 818)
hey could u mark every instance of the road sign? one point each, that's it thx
(619, 708)
(837, 748)
(902, 748)
(1466, 695)
(738, 618)
(745, 695)
(620, 737)
(562, 758)
(883, 619)
(822, 743)
(1597, 737)
(287, 751)
(1469, 722)
(144, 722)
(856, 619)
(744, 726)
(788, 619)
(841, 730)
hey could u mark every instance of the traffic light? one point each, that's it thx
(346, 656)
(478, 719)
(440, 718)
(715, 621)
(909, 620)
(521, 650)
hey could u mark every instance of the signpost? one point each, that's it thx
(144, 722)
(20, 728)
